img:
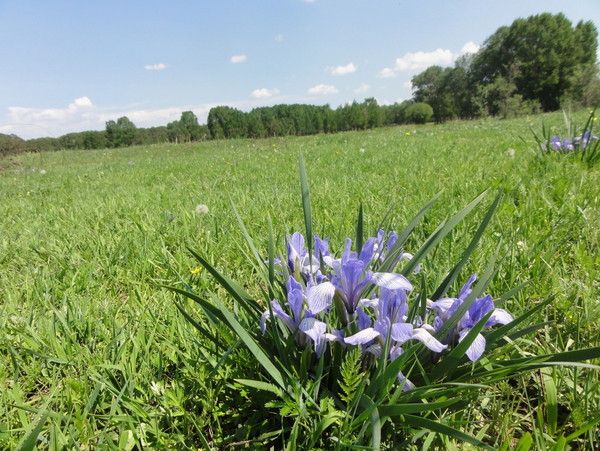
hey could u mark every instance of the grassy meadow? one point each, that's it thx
(94, 354)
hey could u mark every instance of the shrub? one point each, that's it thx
(419, 113)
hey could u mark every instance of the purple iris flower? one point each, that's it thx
(390, 313)
(351, 275)
(303, 309)
(299, 261)
(555, 142)
(566, 144)
(583, 141)
(446, 307)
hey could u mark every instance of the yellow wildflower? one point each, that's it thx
(196, 270)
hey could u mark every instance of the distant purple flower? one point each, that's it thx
(555, 142)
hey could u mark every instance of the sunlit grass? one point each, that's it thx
(95, 354)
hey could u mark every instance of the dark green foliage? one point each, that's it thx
(120, 133)
(226, 122)
(419, 113)
(186, 129)
(94, 140)
(11, 144)
(535, 63)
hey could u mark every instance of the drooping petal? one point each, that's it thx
(476, 348)
(335, 335)
(278, 312)
(402, 332)
(320, 297)
(395, 352)
(441, 306)
(405, 383)
(313, 327)
(428, 340)
(368, 303)
(392, 281)
(362, 337)
(500, 316)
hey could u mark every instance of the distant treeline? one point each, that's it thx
(540, 63)
(227, 122)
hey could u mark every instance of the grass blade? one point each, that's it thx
(443, 429)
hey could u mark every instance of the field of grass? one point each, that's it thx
(94, 354)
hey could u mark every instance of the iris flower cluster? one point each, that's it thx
(567, 145)
(347, 301)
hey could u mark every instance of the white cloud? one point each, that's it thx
(386, 72)
(81, 102)
(236, 59)
(422, 60)
(309, 1)
(417, 61)
(279, 38)
(322, 90)
(343, 70)
(264, 93)
(470, 47)
(362, 88)
(157, 66)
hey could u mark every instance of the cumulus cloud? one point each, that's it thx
(422, 60)
(362, 88)
(322, 90)
(470, 47)
(417, 61)
(343, 70)
(279, 38)
(387, 72)
(157, 66)
(264, 93)
(236, 59)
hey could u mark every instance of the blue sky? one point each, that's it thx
(72, 65)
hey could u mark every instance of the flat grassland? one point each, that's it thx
(93, 352)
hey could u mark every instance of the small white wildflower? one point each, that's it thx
(521, 244)
(201, 209)
(362, 150)
(42, 171)
(510, 153)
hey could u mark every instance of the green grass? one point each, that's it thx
(93, 353)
